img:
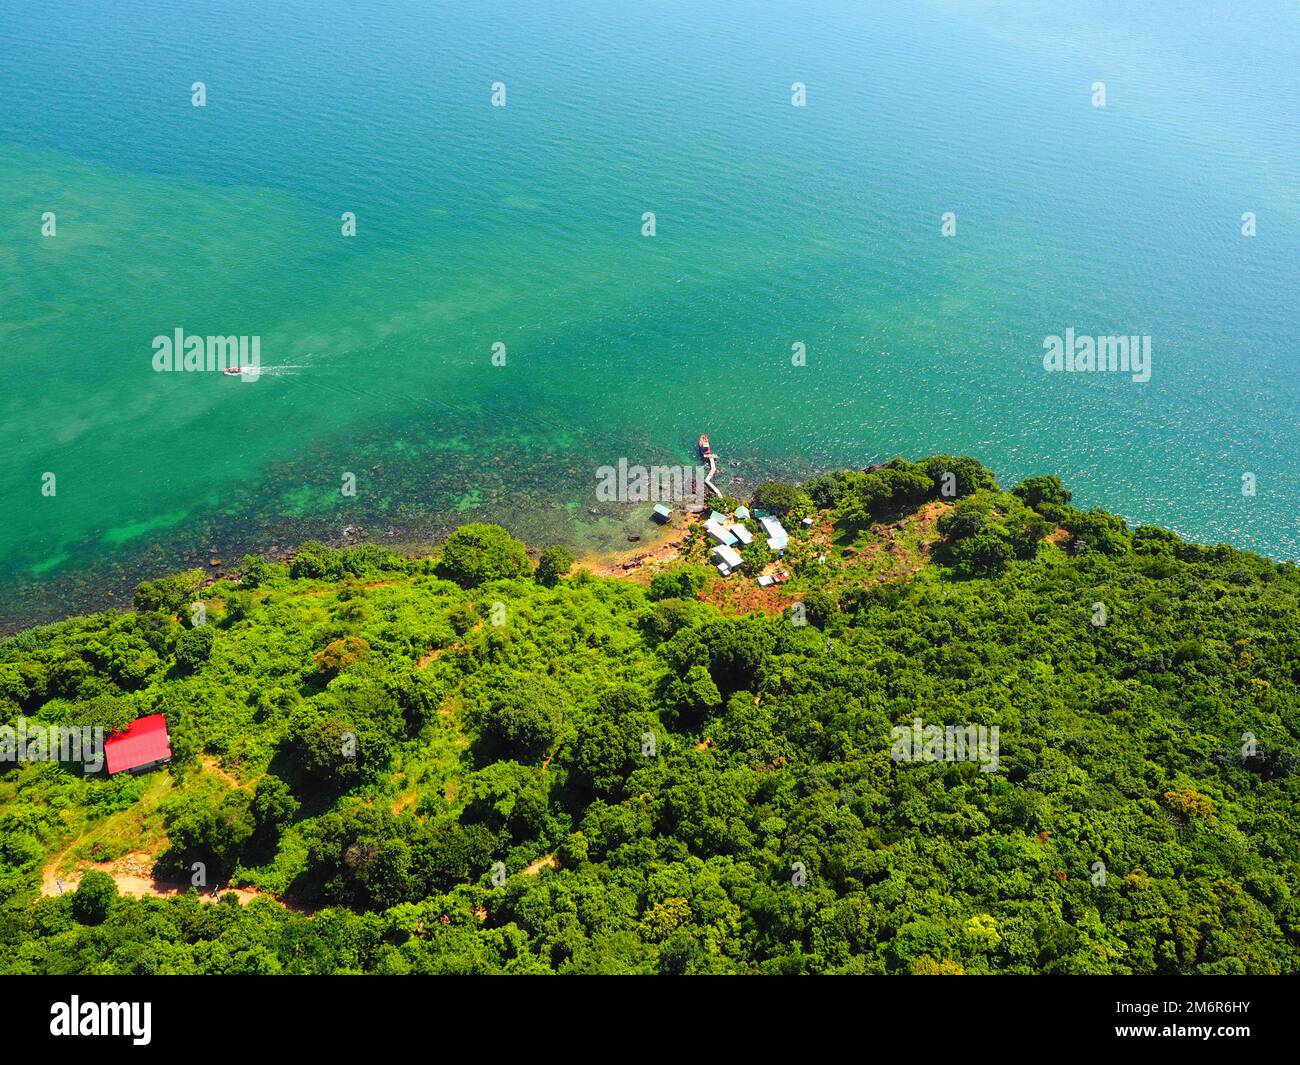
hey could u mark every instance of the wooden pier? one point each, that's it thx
(707, 453)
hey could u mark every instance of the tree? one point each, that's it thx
(860, 498)
(780, 498)
(239, 605)
(554, 563)
(388, 876)
(985, 554)
(481, 552)
(522, 721)
(339, 654)
(756, 556)
(1024, 529)
(695, 693)
(169, 595)
(463, 617)
(968, 517)
(349, 734)
(968, 475)
(1043, 489)
(1190, 803)
(866, 497)
(194, 647)
(680, 582)
(508, 796)
(93, 897)
(825, 490)
(255, 571)
(819, 607)
(109, 712)
(737, 652)
(1099, 530)
(328, 751)
(314, 560)
(273, 807)
(602, 754)
(668, 616)
(209, 827)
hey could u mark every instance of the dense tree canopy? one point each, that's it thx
(449, 767)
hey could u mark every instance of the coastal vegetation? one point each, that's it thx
(468, 764)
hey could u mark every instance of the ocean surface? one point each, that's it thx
(522, 225)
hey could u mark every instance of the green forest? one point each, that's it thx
(493, 761)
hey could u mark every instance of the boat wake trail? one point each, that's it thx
(285, 370)
(254, 372)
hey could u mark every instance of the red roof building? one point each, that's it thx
(143, 745)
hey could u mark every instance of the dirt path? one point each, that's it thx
(50, 876)
(334, 591)
(211, 765)
(133, 877)
(549, 862)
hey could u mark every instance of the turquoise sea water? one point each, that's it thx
(522, 225)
